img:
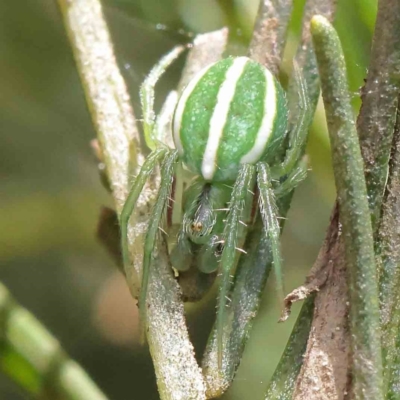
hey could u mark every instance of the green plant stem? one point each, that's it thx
(379, 103)
(388, 265)
(250, 279)
(283, 381)
(305, 56)
(388, 234)
(354, 213)
(375, 125)
(391, 346)
(34, 359)
(269, 35)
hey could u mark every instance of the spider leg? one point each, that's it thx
(182, 254)
(207, 260)
(162, 129)
(147, 94)
(299, 133)
(147, 168)
(269, 214)
(241, 189)
(167, 173)
(298, 174)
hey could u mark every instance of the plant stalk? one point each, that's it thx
(354, 213)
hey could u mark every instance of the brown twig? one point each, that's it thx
(269, 36)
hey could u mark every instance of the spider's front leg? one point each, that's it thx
(269, 214)
(147, 169)
(239, 206)
(298, 135)
(167, 174)
(157, 155)
(169, 158)
(147, 95)
(160, 153)
(292, 169)
(293, 179)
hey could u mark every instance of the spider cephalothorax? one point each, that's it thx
(229, 126)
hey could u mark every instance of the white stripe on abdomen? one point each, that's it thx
(180, 108)
(267, 123)
(220, 115)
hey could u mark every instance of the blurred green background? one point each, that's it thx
(51, 194)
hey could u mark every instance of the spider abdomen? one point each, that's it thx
(232, 112)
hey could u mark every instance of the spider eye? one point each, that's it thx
(197, 227)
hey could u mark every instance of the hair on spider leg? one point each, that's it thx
(241, 250)
(228, 301)
(217, 166)
(163, 231)
(231, 277)
(170, 206)
(228, 186)
(132, 177)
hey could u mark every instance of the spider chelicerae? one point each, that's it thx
(230, 128)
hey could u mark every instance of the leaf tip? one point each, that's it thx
(318, 22)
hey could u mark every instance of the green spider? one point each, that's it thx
(230, 127)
